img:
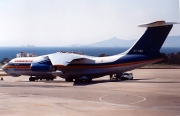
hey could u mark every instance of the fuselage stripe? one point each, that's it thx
(86, 66)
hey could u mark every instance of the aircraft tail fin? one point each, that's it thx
(153, 38)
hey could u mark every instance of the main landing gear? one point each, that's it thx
(36, 78)
(83, 80)
(32, 78)
(69, 79)
(79, 79)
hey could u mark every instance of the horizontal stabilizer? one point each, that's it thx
(157, 24)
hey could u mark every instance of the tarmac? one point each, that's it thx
(153, 92)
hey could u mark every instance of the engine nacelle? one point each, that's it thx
(42, 67)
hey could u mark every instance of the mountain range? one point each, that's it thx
(113, 42)
(171, 41)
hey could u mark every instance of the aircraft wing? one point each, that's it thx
(64, 58)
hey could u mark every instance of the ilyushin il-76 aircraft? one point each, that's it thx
(72, 66)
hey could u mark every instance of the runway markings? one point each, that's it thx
(143, 99)
(123, 105)
(67, 99)
(102, 101)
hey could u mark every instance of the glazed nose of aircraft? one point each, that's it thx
(3, 67)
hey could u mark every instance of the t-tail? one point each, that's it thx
(152, 40)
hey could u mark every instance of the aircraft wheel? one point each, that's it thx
(52, 78)
(32, 79)
(89, 80)
(69, 80)
(78, 80)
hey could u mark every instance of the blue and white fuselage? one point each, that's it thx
(73, 66)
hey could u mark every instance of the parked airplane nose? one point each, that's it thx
(4, 67)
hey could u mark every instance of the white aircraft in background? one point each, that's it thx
(71, 66)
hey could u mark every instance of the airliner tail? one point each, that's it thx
(152, 40)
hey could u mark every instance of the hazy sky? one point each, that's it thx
(66, 22)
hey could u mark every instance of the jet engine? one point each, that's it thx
(42, 67)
